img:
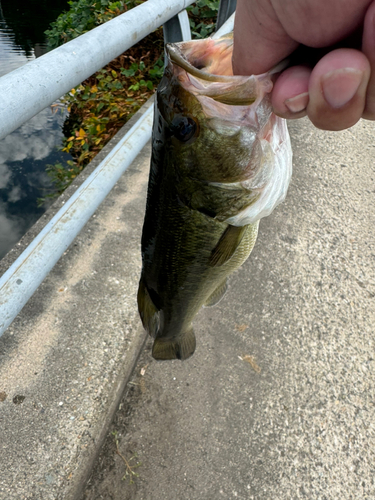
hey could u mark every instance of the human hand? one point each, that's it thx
(340, 88)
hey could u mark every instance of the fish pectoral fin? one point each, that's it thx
(227, 245)
(182, 348)
(147, 310)
(218, 294)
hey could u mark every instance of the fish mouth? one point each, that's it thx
(205, 68)
(210, 60)
(178, 57)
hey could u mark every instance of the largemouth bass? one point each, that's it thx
(221, 160)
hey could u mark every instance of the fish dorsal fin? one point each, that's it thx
(218, 294)
(227, 245)
(182, 348)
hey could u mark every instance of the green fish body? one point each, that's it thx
(220, 161)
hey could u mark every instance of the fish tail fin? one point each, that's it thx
(182, 348)
(147, 310)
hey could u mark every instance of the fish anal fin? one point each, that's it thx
(183, 348)
(227, 245)
(218, 294)
(147, 310)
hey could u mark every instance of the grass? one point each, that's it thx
(129, 472)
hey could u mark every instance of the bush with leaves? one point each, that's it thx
(83, 16)
(202, 17)
(101, 105)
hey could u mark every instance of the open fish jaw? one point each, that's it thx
(238, 104)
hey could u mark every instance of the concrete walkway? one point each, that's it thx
(278, 402)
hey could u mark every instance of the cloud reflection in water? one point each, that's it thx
(24, 155)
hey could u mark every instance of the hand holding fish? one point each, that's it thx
(340, 88)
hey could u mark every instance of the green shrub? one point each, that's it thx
(104, 102)
(202, 17)
(83, 16)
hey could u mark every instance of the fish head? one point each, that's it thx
(218, 127)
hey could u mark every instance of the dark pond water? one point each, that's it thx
(25, 153)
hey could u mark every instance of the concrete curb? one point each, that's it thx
(81, 477)
(65, 360)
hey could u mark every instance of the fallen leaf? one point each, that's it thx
(241, 328)
(142, 385)
(252, 362)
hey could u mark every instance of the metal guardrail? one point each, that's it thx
(226, 9)
(27, 90)
(31, 88)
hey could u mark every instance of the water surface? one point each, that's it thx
(25, 153)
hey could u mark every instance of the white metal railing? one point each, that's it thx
(29, 89)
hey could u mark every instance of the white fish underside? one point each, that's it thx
(278, 157)
(262, 133)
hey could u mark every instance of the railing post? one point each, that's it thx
(177, 29)
(226, 9)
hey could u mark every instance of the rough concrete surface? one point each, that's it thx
(278, 400)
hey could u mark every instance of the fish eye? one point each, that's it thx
(183, 128)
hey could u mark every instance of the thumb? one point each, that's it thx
(260, 41)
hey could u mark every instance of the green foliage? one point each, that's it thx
(157, 71)
(104, 102)
(83, 16)
(141, 71)
(201, 30)
(61, 176)
(102, 105)
(202, 17)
